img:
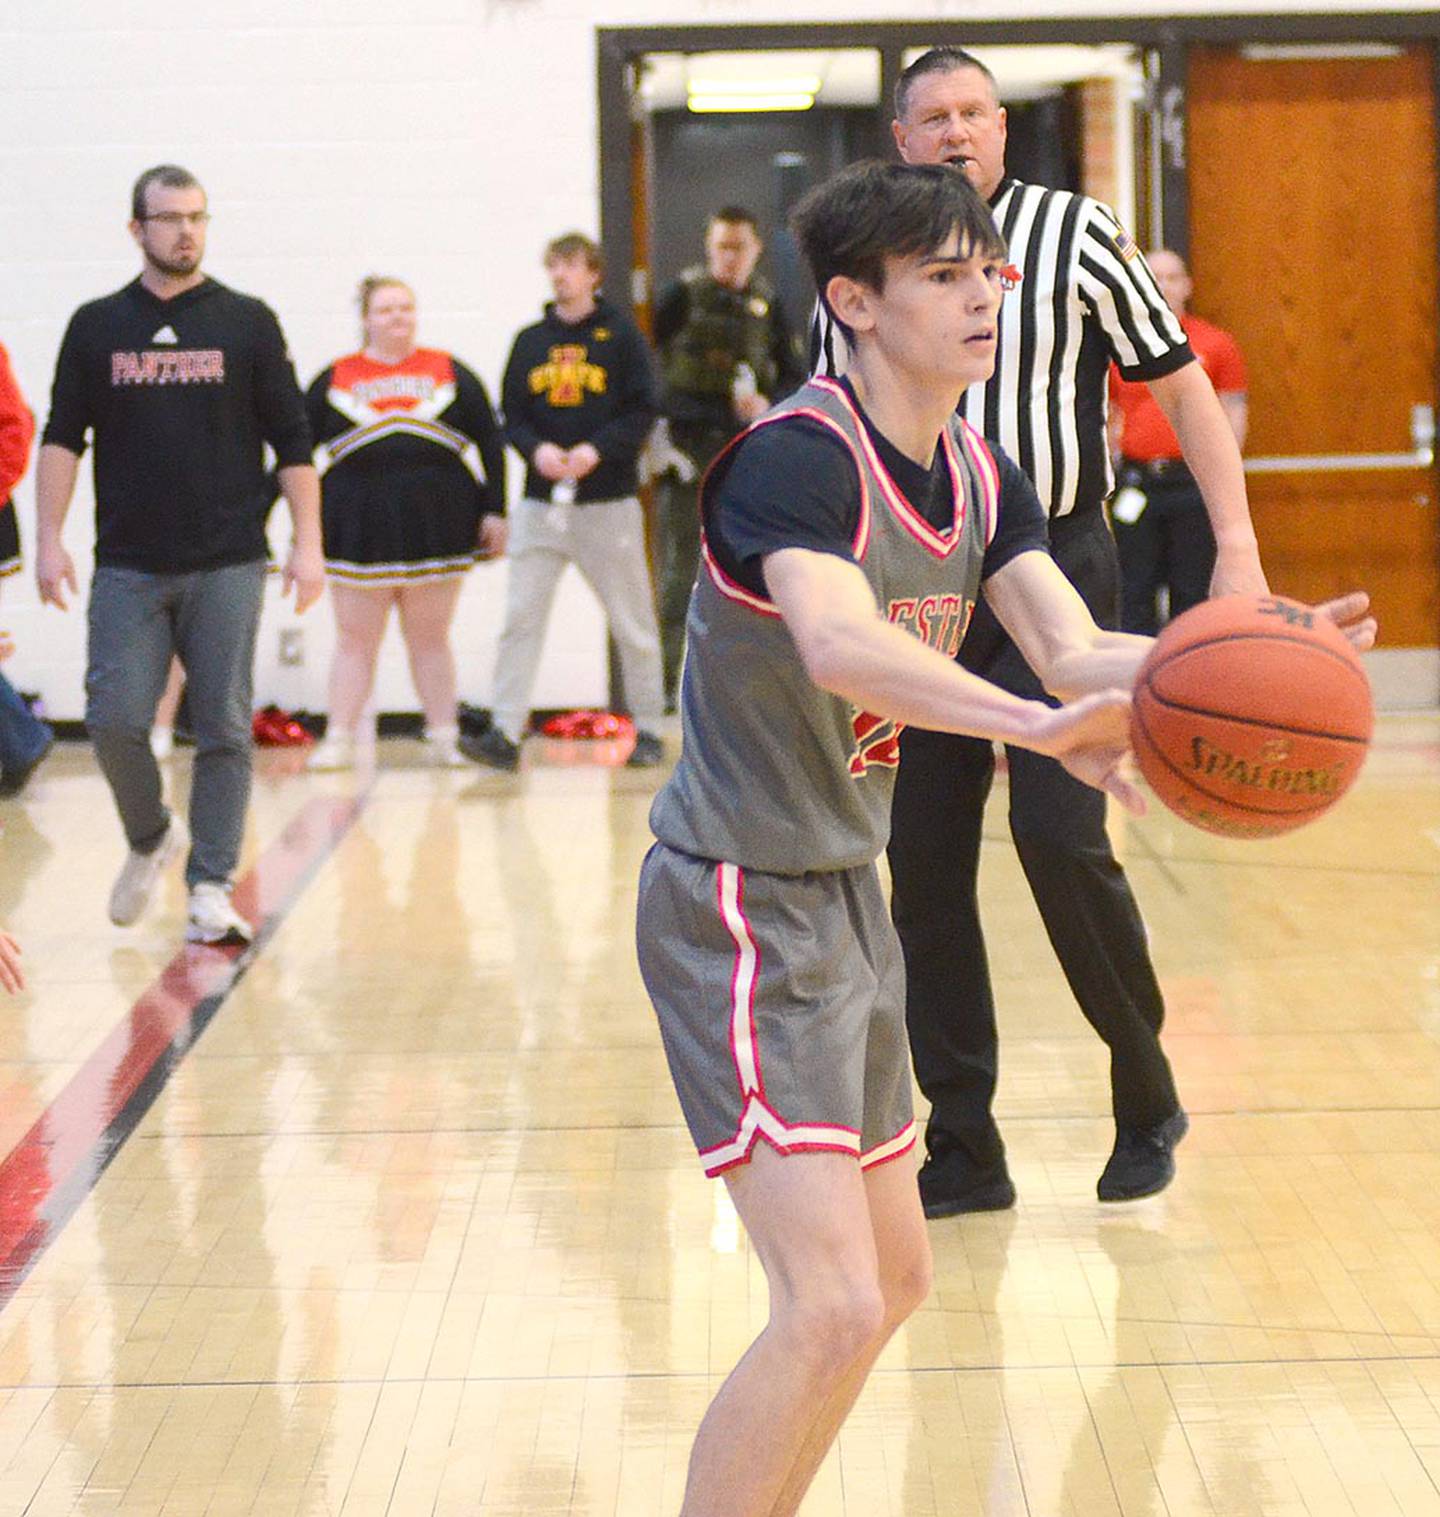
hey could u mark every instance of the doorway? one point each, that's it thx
(1071, 114)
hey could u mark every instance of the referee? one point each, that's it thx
(1085, 296)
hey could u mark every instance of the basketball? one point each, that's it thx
(1252, 716)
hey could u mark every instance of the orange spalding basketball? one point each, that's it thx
(1252, 715)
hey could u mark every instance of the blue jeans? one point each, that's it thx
(23, 736)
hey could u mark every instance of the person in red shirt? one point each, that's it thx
(1161, 527)
(17, 432)
(24, 738)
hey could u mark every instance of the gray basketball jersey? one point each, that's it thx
(776, 774)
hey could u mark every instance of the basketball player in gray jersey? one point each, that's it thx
(846, 537)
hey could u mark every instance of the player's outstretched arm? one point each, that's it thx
(1050, 624)
(1090, 737)
(849, 649)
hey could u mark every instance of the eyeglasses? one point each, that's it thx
(179, 218)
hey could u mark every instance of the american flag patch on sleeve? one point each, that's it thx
(1125, 244)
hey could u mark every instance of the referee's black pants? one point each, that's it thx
(1091, 917)
(1170, 545)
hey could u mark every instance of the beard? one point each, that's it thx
(175, 263)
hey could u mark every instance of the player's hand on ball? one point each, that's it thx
(1348, 612)
(1091, 738)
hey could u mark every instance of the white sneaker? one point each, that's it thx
(140, 873)
(333, 753)
(442, 749)
(212, 919)
(162, 741)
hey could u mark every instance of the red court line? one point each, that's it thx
(56, 1164)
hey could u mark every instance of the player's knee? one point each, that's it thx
(833, 1326)
(907, 1285)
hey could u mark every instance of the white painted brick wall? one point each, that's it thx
(442, 140)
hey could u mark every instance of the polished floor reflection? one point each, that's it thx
(413, 1226)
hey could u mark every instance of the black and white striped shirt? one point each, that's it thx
(1086, 295)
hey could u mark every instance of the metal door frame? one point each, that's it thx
(618, 50)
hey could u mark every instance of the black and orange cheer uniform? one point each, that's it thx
(411, 457)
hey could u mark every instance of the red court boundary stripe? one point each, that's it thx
(47, 1175)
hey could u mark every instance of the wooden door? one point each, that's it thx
(1313, 239)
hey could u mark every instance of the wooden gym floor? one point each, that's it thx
(397, 1216)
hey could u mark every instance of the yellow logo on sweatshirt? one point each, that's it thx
(565, 378)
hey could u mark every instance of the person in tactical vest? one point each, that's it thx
(726, 352)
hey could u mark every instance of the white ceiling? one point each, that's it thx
(851, 76)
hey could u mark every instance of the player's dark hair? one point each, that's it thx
(170, 175)
(734, 215)
(939, 60)
(873, 211)
(572, 243)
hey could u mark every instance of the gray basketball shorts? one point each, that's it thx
(781, 1002)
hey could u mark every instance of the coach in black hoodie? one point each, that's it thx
(579, 399)
(180, 383)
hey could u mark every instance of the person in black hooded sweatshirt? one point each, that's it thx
(578, 399)
(181, 383)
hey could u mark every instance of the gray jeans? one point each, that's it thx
(137, 621)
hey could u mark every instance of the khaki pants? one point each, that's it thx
(605, 540)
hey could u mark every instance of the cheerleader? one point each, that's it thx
(412, 474)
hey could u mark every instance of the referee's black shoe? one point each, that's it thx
(950, 1186)
(491, 748)
(1143, 1160)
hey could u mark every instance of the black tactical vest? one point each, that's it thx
(723, 328)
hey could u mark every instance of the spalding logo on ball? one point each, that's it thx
(1252, 715)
